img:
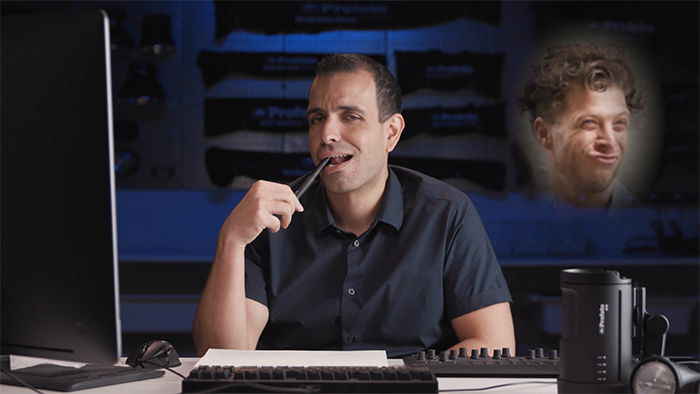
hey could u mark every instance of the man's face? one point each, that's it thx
(344, 123)
(588, 140)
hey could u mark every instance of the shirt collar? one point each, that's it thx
(390, 210)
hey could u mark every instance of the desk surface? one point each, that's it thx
(171, 383)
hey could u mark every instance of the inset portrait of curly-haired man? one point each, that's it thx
(581, 99)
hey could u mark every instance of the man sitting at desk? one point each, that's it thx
(372, 257)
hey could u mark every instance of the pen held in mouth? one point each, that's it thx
(311, 178)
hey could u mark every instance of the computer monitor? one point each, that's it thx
(60, 293)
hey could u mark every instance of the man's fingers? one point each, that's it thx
(283, 211)
(278, 192)
(290, 198)
(273, 223)
(271, 205)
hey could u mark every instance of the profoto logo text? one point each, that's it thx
(602, 310)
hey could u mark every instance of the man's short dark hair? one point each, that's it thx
(596, 67)
(388, 90)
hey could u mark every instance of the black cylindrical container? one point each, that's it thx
(596, 338)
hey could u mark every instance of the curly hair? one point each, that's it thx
(596, 67)
(388, 90)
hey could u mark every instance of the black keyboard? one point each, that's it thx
(217, 379)
(61, 378)
(478, 363)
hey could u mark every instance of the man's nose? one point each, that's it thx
(605, 137)
(330, 131)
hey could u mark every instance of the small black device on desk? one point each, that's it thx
(144, 360)
(62, 378)
(229, 379)
(478, 363)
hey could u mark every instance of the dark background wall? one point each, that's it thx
(211, 95)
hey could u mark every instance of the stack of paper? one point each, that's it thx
(294, 358)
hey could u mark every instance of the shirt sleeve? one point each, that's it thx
(472, 276)
(255, 263)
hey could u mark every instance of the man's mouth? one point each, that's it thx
(339, 159)
(606, 159)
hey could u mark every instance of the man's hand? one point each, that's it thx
(266, 205)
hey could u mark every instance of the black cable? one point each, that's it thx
(20, 381)
(495, 387)
(164, 367)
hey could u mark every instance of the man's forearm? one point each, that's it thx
(490, 327)
(478, 343)
(222, 316)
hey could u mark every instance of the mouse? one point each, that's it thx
(154, 354)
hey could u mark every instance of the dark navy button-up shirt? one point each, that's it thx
(424, 261)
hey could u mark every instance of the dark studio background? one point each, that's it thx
(220, 101)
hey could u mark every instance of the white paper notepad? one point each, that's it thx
(294, 358)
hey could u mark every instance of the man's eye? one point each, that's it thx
(352, 117)
(315, 120)
(621, 124)
(588, 123)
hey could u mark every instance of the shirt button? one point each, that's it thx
(350, 339)
(351, 291)
(356, 243)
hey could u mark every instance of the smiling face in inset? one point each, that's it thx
(586, 144)
(344, 123)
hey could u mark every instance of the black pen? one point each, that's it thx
(311, 178)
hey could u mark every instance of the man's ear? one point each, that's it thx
(543, 132)
(394, 128)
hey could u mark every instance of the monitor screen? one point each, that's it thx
(60, 295)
